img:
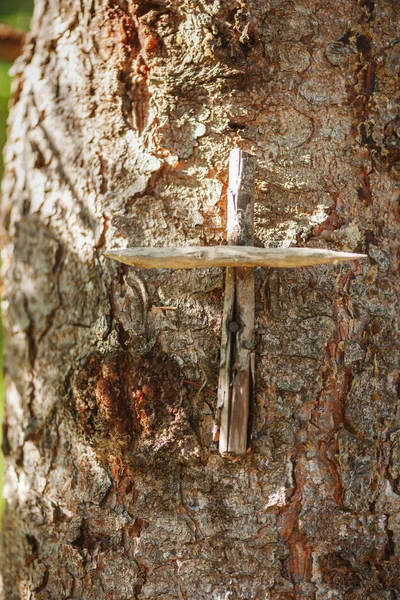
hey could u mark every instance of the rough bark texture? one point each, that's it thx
(120, 133)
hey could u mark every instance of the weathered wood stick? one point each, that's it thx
(225, 363)
(235, 376)
(227, 256)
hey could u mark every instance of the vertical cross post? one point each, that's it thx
(236, 376)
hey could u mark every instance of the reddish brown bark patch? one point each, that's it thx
(120, 402)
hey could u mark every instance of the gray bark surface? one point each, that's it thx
(123, 119)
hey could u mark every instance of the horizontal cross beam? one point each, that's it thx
(195, 257)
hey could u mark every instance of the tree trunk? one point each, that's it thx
(123, 119)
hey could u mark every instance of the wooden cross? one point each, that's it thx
(237, 363)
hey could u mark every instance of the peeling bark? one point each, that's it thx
(123, 119)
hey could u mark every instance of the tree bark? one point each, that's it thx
(123, 119)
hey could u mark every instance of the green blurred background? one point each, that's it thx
(16, 13)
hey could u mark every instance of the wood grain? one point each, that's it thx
(227, 256)
(235, 376)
